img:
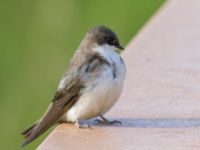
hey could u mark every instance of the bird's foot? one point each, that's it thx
(103, 120)
(81, 125)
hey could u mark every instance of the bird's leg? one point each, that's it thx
(106, 121)
(79, 125)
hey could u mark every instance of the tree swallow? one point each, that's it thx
(89, 88)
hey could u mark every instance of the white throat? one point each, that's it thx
(107, 51)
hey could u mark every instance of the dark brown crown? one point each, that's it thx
(104, 35)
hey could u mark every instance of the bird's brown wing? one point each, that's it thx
(67, 94)
(64, 98)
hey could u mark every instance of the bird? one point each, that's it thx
(89, 87)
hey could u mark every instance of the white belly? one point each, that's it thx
(98, 98)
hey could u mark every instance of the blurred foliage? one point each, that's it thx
(37, 38)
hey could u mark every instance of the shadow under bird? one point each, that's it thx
(89, 88)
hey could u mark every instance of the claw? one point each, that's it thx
(106, 121)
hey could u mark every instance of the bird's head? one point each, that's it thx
(102, 36)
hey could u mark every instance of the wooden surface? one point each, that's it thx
(160, 103)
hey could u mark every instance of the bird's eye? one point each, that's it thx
(110, 41)
(107, 39)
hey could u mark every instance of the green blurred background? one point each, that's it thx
(37, 39)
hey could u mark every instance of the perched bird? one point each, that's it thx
(89, 88)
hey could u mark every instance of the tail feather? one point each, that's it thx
(51, 117)
(28, 130)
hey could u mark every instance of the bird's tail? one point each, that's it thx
(51, 116)
(28, 130)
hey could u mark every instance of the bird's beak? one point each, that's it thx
(120, 47)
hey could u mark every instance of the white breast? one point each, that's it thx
(100, 98)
